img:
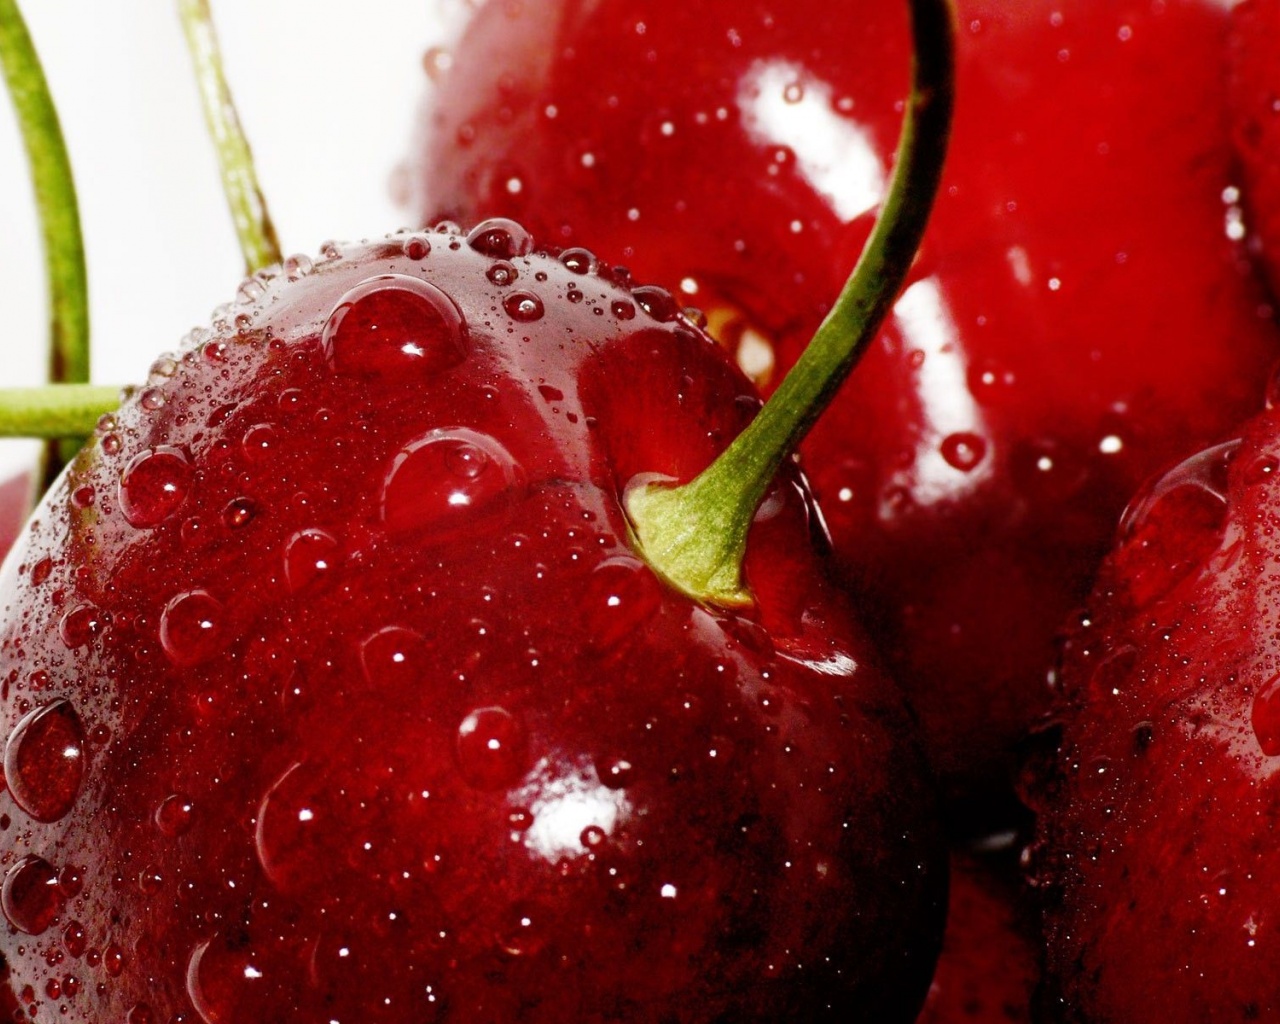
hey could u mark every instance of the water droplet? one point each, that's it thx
(592, 837)
(502, 273)
(173, 816)
(393, 324)
(30, 897)
(44, 760)
(1174, 523)
(621, 595)
(616, 772)
(446, 477)
(293, 824)
(81, 626)
(491, 748)
(259, 442)
(500, 238)
(309, 555)
(239, 512)
(416, 247)
(191, 627)
(524, 933)
(523, 306)
(964, 451)
(1261, 469)
(657, 302)
(623, 309)
(154, 485)
(225, 978)
(298, 266)
(550, 394)
(74, 939)
(394, 657)
(580, 261)
(141, 1013)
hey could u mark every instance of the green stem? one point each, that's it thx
(55, 410)
(55, 198)
(696, 534)
(258, 241)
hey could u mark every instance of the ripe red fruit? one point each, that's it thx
(989, 966)
(1255, 94)
(1158, 859)
(15, 499)
(1078, 317)
(336, 692)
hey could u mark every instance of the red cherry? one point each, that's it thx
(1255, 95)
(1078, 317)
(376, 715)
(1157, 855)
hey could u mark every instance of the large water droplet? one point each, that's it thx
(500, 238)
(30, 897)
(446, 477)
(292, 826)
(391, 325)
(226, 978)
(309, 556)
(191, 627)
(621, 595)
(491, 748)
(44, 760)
(154, 485)
(394, 657)
(657, 302)
(173, 816)
(523, 306)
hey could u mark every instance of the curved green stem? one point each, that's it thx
(55, 198)
(696, 534)
(258, 241)
(55, 410)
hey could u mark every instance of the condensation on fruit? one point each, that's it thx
(44, 760)
(154, 485)
(392, 325)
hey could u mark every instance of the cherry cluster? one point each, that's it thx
(340, 681)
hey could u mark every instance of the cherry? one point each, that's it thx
(15, 501)
(335, 689)
(1157, 856)
(1078, 317)
(989, 966)
(1255, 94)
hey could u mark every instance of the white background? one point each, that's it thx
(327, 92)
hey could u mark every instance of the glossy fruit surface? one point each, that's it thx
(15, 500)
(1158, 858)
(1078, 317)
(989, 966)
(1255, 94)
(335, 692)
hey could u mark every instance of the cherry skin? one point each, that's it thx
(1158, 855)
(1255, 91)
(335, 690)
(1077, 318)
(15, 499)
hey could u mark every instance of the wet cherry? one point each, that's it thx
(347, 697)
(1157, 855)
(1079, 316)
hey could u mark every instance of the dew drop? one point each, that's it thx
(292, 824)
(446, 477)
(502, 273)
(623, 310)
(523, 933)
(616, 772)
(416, 247)
(657, 302)
(239, 512)
(964, 451)
(393, 324)
(500, 238)
(491, 748)
(394, 657)
(191, 627)
(580, 261)
(44, 760)
(81, 626)
(523, 306)
(297, 267)
(309, 555)
(29, 897)
(173, 816)
(621, 595)
(154, 485)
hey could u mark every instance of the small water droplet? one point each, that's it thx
(502, 273)
(621, 595)
(298, 266)
(30, 898)
(623, 309)
(308, 556)
(293, 823)
(491, 748)
(616, 772)
(391, 325)
(523, 306)
(394, 658)
(154, 485)
(239, 512)
(580, 261)
(259, 442)
(500, 238)
(417, 247)
(44, 760)
(446, 477)
(592, 837)
(657, 302)
(191, 627)
(964, 451)
(524, 933)
(81, 626)
(173, 816)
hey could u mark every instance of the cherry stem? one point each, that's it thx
(258, 242)
(55, 194)
(695, 534)
(55, 410)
